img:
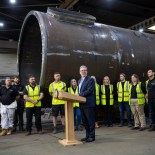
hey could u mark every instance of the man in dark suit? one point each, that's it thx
(86, 87)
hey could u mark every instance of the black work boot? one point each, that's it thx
(152, 128)
(28, 133)
(54, 130)
(63, 128)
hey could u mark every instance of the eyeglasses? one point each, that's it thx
(83, 70)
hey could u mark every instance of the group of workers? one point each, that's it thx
(132, 97)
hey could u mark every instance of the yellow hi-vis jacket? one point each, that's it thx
(59, 86)
(97, 88)
(103, 96)
(33, 94)
(123, 95)
(140, 94)
(70, 90)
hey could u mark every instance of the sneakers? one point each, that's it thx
(4, 132)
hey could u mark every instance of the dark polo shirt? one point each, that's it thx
(7, 96)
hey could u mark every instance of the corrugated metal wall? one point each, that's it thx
(8, 59)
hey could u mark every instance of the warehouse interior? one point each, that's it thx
(135, 19)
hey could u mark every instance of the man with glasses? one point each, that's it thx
(86, 87)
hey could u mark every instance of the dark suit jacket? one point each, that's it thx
(88, 90)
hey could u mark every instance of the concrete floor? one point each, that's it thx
(109, 141)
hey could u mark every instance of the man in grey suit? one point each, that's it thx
(86, 87)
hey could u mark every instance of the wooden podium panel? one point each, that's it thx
(69, 116)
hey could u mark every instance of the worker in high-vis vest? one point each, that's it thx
(137, 93)
(73, 89)
(107, 100)
(33, 95)
(57, 105)
(151, 97)
(123, 99)
(97, 94)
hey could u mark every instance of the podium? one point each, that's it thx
(69, 116)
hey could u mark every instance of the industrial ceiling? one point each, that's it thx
(121, 13)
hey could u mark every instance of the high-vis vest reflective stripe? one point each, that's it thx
(97, 87)
(103, 96)
(60, 86)
(140, 94)
(33, 94)
(70, 90)
(122, 95)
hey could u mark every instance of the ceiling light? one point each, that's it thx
(12, 1)
(1, 24)
(141, 30)
(152, 28)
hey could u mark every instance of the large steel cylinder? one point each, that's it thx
(61, 40)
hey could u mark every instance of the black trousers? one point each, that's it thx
(18, 117)
(151, 103)
(88, 119)
(107, 110)
(36, 111)
(96, 113)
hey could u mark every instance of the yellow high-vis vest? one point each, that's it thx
(123, 95)
(70, 90)
(97, 88)
(103, 96)
(33, 94)
(140, 94)
(59, 86)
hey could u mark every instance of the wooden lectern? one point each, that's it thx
(69, 116)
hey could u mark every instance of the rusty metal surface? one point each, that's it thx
(48, 44)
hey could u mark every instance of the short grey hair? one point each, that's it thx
(83, 67)
(7, 78)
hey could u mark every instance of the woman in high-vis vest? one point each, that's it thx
(107, 100)
(97, 93)
(137, 93)
(73, 89)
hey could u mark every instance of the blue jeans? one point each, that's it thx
(124, 106)
(77, 116)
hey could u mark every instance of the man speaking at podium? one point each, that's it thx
(86, 87)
